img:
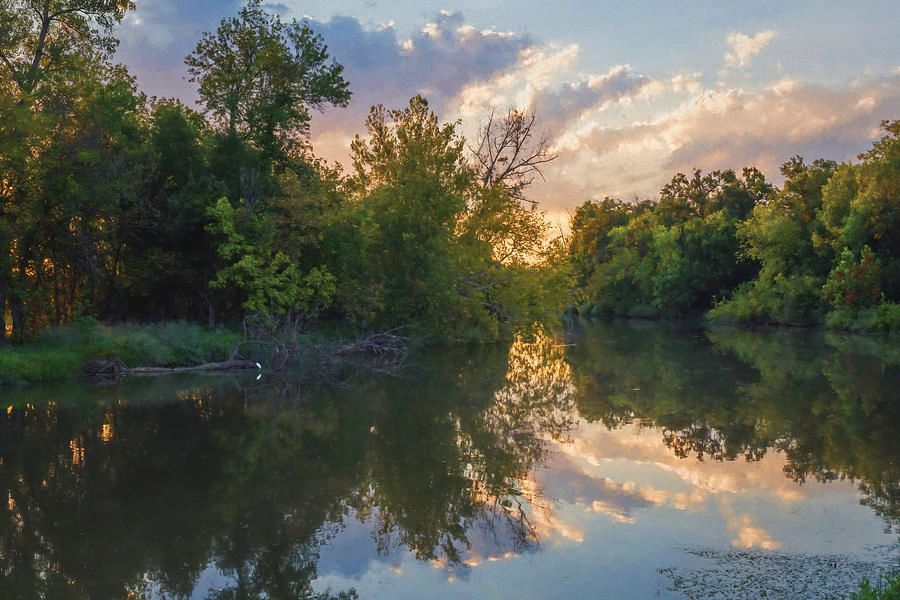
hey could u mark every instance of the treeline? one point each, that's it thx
(824, 248)
(117, 206)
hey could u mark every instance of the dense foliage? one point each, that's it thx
(120, 207)
(825, 247)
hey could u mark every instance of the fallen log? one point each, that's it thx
(228, 365)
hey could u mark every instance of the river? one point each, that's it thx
(615, 460)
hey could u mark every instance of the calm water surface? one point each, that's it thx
(615, 461)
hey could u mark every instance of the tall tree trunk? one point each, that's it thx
(57, 302)
(28, 85)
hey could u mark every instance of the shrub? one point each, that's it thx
(36, 365)
(854, 283)
(783, 300)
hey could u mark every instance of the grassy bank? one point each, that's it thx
(62, 353)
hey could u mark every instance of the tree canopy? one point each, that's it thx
(116, 206)
(822, 248)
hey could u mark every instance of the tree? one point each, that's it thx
(271, 283)
(507, 158)
(510, 152)
(861, 206)
(259, 78)
(52, 60)
(412, 181)
(38, 37)
(780, 236)
(671, 257)
(167, 256)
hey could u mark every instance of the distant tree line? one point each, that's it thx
(824, 248)
(117, 206)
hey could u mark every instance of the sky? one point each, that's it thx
(628, 93)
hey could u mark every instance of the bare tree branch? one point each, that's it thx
(511, 152)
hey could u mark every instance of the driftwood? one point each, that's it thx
(228, 365)
(379, 344)
(104, 368)
(384, 352)
(115, 368)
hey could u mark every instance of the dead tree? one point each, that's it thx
(511, 152)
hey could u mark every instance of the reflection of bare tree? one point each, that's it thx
(505, 521)
(478, 495)
(535, 402)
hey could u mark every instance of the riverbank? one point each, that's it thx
(91, 348)
(883, 319)
(71, 351)
(64, 353)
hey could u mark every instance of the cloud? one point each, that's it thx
(533, 85)
(155, 38)
(718, 129)
(618, 131)
(383, 67)
(744, 47)
(438, 61)
(787, 118)
(535, 69)
(279, 8)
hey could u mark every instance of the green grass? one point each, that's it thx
(63, 353)
(890, 590)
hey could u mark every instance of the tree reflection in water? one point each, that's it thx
(141, 487)
(177, 486)
(827, 402)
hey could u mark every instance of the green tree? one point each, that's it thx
(167, 256)
(52, 55)
(779, 235)
(412, 181)
(258, 79)
(861, 206)
(38, 38)
(269, 279)
(667, 258)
